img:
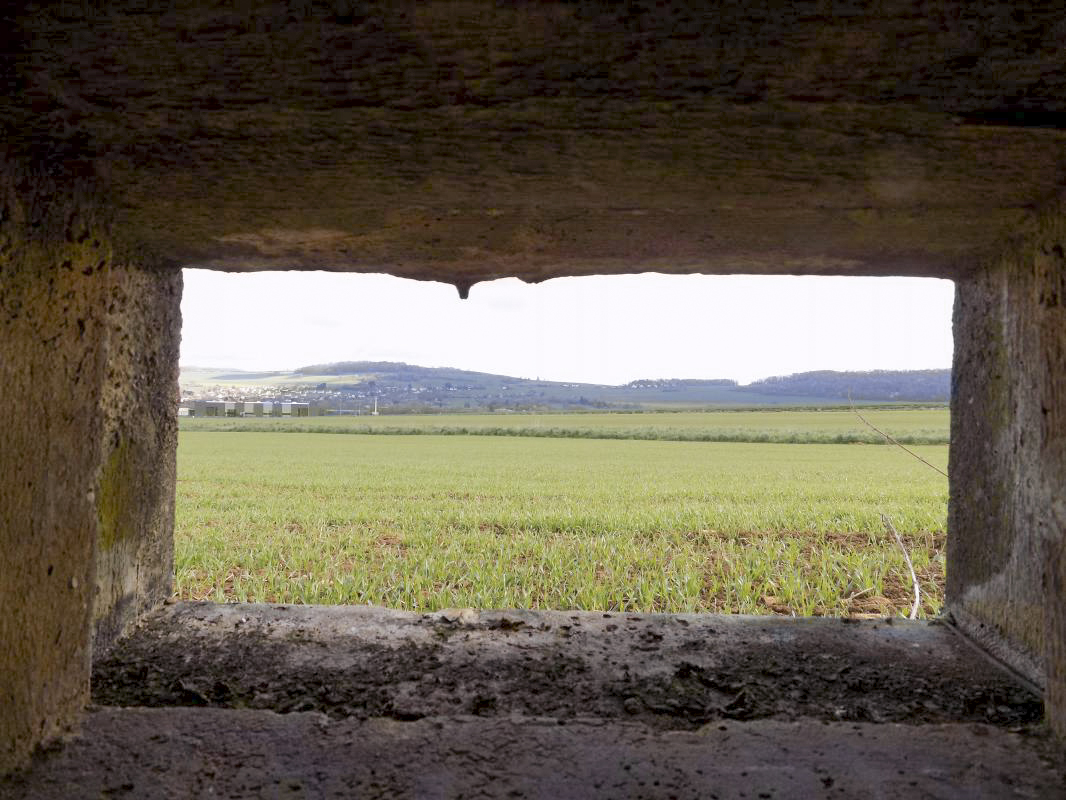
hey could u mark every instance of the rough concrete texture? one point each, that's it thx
(196, 753)
(1007, 511)
(462, 141)
(359, 701)
(53, 350)
(135, 503)
(667, 671)
(86, 446)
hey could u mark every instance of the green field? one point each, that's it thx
(909, 426)
(428, 522)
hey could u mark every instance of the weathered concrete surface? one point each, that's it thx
(53, 352)
(668, 671)
(462, 141)
(1007, 510)
(135, 502)
(196, 753)
(88, 351)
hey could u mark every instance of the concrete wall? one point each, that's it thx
(1007, 515)
(134, 559)
(52, 360)
(88, 353)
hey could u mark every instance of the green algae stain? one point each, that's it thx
(116, 497)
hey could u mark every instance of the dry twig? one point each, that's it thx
(890, 440)
(906, 557)
(856, 595)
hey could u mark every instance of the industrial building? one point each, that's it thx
(247, 408)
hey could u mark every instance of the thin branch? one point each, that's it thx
(890, 440)
(906, 557)
(856, 595)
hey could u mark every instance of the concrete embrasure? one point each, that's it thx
(469, 141)
(667, 671)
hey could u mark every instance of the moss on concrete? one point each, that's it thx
(115, 497)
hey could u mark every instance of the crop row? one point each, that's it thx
(427, 522)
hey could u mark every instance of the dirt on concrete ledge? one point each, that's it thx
(667, 671)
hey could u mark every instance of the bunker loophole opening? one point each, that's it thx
(594, 527)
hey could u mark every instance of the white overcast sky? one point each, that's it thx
(600, 329)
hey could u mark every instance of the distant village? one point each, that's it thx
(404, 393)
(271, 401)
(356, 388)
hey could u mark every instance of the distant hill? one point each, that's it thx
(355, 386)
(926, 385)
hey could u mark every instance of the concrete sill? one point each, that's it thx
(269, 701)
(668, 671)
